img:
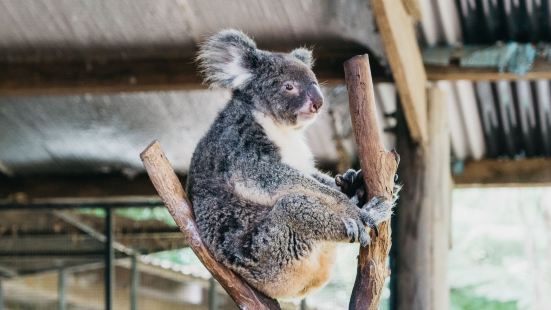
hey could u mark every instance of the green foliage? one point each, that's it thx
(499, 258)
(466, 299)
(146, 214)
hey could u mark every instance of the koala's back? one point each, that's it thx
(224, 219)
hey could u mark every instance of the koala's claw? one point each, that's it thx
(355, 231)
(346, 181)
(396, 156)
(352, 184)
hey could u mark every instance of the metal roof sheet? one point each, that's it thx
(493, 119)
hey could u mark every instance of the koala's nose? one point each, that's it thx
(316, 97)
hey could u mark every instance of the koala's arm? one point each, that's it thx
(313, 210)
(324, 179)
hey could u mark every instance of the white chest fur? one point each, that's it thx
(293, 148)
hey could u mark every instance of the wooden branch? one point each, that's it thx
(379, 168)
(172, 193)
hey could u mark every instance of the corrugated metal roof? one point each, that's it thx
(99, 133)
(83, 134)
(79, 28)
(103, 133)
(106, 133)
(504, 20)
(493, 119)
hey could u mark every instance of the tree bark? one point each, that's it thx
(173, 195)
(379, 168)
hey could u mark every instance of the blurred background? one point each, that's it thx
(462, 90)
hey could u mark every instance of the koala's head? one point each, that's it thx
(281, 85)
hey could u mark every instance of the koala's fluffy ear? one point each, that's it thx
(226, 59)
(304, 55)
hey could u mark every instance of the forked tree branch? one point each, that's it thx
(378, 167)
(173, 195)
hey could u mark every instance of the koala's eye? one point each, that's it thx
(289, 86)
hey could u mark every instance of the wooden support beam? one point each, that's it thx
(437, 199)
(540, 71)
(14, 254)
(421, 235)
(378, 167)
(413, 8)
(147, 242)
(97, 76)
(505, 173)
(404, 56)
(77, 189)
(92, 232)
(109, 76)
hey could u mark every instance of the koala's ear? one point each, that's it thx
(227, 58)
(304, 55)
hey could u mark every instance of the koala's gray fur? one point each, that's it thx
(261, 207)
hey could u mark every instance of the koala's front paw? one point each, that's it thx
(355, 231)
(352, 184)
(377, 210)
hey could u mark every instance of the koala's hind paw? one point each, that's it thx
(355, 231)
(377, 210)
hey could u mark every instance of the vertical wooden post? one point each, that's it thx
(421, 235)
(109, 257)
(379, 168)
(61, 284)
(1, 294)
(303, 305)
(134, 283)
(213, 296)
(438, 188)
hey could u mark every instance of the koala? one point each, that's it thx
(261, 206)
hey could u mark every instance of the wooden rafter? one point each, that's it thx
(76, 189)
(413, 7)
(505, 173)
(109, 76)
(540, 70)
(403, 53)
